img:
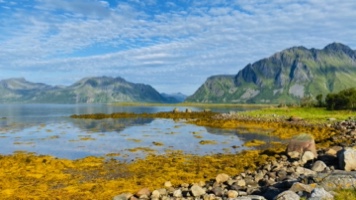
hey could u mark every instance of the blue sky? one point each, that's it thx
(172, 45)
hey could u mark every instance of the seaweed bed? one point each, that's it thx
(30, 176)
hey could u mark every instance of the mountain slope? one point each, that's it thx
(88, 90)
(285, 77)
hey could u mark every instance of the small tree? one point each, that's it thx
(319, 100)
(345, 99)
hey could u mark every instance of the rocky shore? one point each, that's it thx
(301, 172)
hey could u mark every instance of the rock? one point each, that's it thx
(123, 196)
(167, 184)
(332, 151)
(162, 192)
(305, 171)
(155, 194)
(347, 159)
(300, 187)
(319, 166)
(232, 194)
(177, 193)
(197, 190)
(320, 193)
(307, 155)
(287, 195)
(241, 183)
(175, 110)
(332, 119)
(143, 191)
(336, 180)
(302, 143)
(218, 191)
(295, 119)
(251, 197)
(221, 178)
(188, 110)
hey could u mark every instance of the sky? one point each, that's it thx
(173, 46)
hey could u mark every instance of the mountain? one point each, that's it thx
(285, 77)
(88, 90)
(175, 97)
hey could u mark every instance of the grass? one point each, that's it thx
(310, 115)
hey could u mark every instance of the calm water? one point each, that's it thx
(48, 129)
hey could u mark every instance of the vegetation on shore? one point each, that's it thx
(32, 176)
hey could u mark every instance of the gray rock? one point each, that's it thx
(319, 166)
(287, 195)
(320, 193)
(347, 159)
(305, 171)
(197, 190)
(251, 197)
(336, 180)
(300, 187)
(218, 191)
(302, 143)
(123, 196)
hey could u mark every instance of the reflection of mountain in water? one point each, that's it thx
(109, 125)
(243, 136)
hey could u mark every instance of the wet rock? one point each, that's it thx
(221, 178)
(319, 166)
(197, 190)
(347, 159)
(320, 193)
(287, 195)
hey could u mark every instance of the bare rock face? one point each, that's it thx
(300, 144)
(347, 159)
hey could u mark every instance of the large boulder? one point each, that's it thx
(300, 144)
(347, 159)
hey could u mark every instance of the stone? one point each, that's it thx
(300, 187)
(304, 171)
(320, 193)
(188, 110)
(175, 110)
(319, 166)
(251, 197)
(332, 151)
(232, 194)
(155, 194)
(287, 195)
(218, 191)
(241, 183)
(336, 180)
(221, 178)
(123, 196)
(167, 184)
(162, 192)
(143, 191)
(307, 155)
(177, 193)
(301, 143)
(197, 190)
(347, 159)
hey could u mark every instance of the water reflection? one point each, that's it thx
(47, 129)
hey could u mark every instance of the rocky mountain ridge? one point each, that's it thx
(284, 77)
(87, 90)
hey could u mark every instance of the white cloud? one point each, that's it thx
(164, 47)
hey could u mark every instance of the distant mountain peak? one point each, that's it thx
(285, 77)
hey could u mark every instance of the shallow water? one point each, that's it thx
(48, 129)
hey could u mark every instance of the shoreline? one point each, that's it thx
(93, 177)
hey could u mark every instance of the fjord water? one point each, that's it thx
(47, 129)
